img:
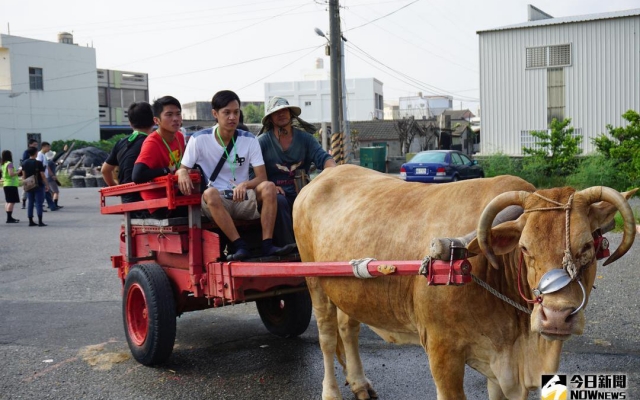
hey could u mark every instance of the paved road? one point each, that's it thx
(61, 333)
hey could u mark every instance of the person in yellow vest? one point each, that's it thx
(10, 182)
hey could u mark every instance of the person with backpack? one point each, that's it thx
(126, 150)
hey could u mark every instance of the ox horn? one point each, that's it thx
(603, 193)
(492, 209)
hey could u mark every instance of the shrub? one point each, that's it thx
(556, 150)
(598, 170)
(498, 164)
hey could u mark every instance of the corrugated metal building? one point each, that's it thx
(586, 68)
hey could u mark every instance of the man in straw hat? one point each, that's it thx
(287, 150)
(224, 153)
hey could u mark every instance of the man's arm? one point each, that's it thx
(107, 173)
(330, 163)
(142, 173)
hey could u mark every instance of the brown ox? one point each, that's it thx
(349, 213)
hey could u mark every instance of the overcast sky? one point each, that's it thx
(193, 48)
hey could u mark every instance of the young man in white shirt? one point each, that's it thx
(231, 194)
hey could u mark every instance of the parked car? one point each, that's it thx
(436, 166)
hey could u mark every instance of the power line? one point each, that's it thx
(213, 38)
(281, 68)
(384, 16)
(406, 78)
(237, 63)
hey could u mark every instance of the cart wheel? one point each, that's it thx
(287, 315)
(149, 314)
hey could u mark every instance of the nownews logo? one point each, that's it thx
(608, 387)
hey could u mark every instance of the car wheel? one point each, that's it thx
(455, 178)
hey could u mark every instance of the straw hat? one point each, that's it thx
(277, 104)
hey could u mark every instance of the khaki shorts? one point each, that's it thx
(245, 210)
(53, 186)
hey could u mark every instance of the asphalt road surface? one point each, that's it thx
(61, 332)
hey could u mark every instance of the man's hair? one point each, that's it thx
(31, 151)
(44, 144)
(140, 115)
(159, 104)
(32, 141)
(223, 98)
(6, 156)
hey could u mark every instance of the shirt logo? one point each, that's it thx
(290, 171)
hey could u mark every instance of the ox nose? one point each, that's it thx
(556, 322)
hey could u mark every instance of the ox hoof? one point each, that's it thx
(367, 394)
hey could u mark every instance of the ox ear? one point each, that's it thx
(601, 213)
(504, 238)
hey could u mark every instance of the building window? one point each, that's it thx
(555, 94)
(379, 103)
(549, 56)
(35, 79)
(307, 103)
(102, 97)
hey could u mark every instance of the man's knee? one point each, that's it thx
(266, 191)
(211, 197)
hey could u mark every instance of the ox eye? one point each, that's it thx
(587, 247)
(524, 250)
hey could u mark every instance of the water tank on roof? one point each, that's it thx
(65, 37)
(319, 63)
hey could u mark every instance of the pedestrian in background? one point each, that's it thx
(50, 172)
(10, 183)
(25, 156)
(35, 197)
(45, 147)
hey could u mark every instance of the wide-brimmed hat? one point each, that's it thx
(49, 155)
(277, 104)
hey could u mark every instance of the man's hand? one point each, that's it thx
(239, 192)
(279, 190)
(184, 181)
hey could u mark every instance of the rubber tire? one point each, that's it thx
(287, 315)
(148, 296)
(455, 178)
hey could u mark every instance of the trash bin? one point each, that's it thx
(373, 158)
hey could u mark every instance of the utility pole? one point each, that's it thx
(335, 40)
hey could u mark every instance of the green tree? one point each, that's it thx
(253, 114)
(623, 146)
(556, 150)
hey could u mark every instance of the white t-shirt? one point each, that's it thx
(42, 158)
(204, 149)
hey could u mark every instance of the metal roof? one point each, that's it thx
(568, 20)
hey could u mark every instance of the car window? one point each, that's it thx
(428, 157)
(465, 159)
(455, 159)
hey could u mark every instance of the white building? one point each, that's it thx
(586, 68)
(364, 98)
(47, 91)
(424, 107)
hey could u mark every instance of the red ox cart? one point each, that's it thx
(171, 266)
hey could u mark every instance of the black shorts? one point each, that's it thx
(11, 194)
